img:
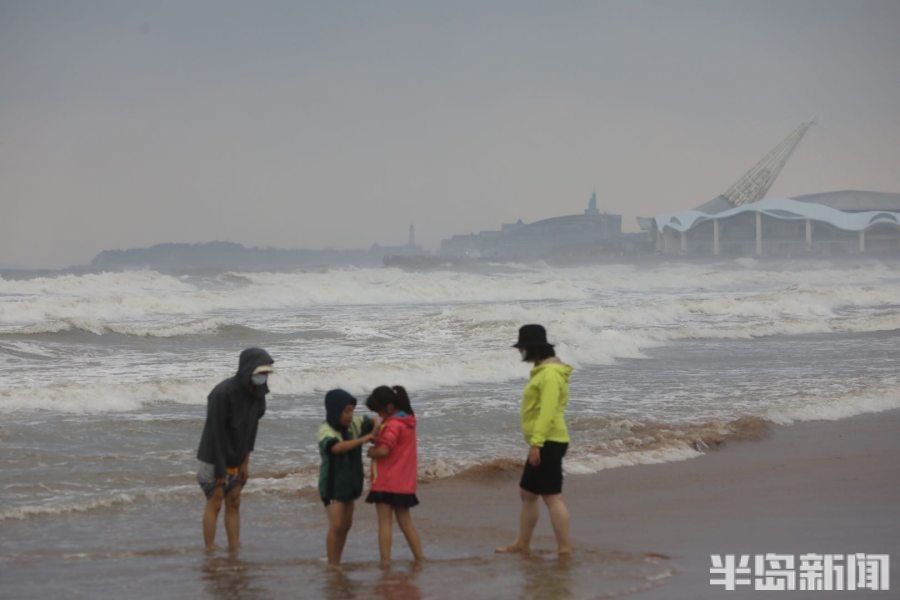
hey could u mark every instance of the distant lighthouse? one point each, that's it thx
(592, 206)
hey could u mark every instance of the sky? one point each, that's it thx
(337, 124)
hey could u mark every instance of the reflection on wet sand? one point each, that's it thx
(366, 580)
(229, 577)
(398, 585)
(338, 586)
(589, 573)
(542, 578)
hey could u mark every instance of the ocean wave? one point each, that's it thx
(598, 333)
(608, 443)
(103, 395)
(599, 443)
(61, 506)
(662, 294)
(124, 297)
(98, 327)
(842, 407)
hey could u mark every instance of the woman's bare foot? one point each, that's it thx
(564, 551)
(514, 548)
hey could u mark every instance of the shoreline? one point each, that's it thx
(814, 486)
(640, 531)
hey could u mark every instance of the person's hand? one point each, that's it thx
(367, 438)
(370, 451)
(244, 472)
(534, 456)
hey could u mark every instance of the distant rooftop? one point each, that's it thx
(854, 200)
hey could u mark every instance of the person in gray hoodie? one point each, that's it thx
(233, 411)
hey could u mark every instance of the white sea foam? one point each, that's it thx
(833, 409)
(103, 395)
(123, 297)
(100, 327)
(593, 463)
(63, 505)
(596, 315)
(94, 302)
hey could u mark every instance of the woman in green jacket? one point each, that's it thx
(544, 428)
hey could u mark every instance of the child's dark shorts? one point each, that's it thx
(547, 478)
(395, 500)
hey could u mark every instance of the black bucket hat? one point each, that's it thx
(531, 336)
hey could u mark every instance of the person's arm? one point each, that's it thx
(378, 451)
(348, 445)
(386, 441)
(255, 425)
(216, 416)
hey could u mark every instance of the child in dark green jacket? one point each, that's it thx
(341, 437)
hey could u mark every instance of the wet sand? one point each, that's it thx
(823, 486)
(830, 487)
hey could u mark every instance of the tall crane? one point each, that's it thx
(755, 183)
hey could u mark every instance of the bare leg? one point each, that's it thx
(559, 518)
(528, 519)
(404, 520)
(233, 518)
(385, 524)
(210, 517)
(340, 518)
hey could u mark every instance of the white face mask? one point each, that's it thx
(259, 378)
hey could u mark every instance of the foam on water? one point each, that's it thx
(404, 326)
(115, 349)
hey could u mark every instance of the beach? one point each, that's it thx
(642, 531)
(815, 487)
(741, 407)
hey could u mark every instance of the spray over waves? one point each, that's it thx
(705, 301)
(136, 296)
(208, 326)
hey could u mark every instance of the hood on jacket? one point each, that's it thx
(407, 420)
(335, 403)
(250, 359)
(561, 368)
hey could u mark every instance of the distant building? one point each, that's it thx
(410, 248)
(592, 230)
(829, 224)
(742, 221)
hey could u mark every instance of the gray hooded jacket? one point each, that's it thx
(233, 410)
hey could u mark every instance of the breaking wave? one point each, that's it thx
(112, 501)
(147, 302)
(98, 328)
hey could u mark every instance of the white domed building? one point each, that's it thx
(743, 222)
(829, 224)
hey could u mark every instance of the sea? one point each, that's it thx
(104, 379)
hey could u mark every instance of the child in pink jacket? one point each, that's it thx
(394, 468)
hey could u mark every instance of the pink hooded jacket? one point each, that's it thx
(397, 472)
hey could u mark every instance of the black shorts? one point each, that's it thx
(395, 500)
(546, 478)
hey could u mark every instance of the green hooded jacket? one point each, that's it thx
(544, 404)
(341, 475)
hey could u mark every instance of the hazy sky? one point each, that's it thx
(313, 124)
